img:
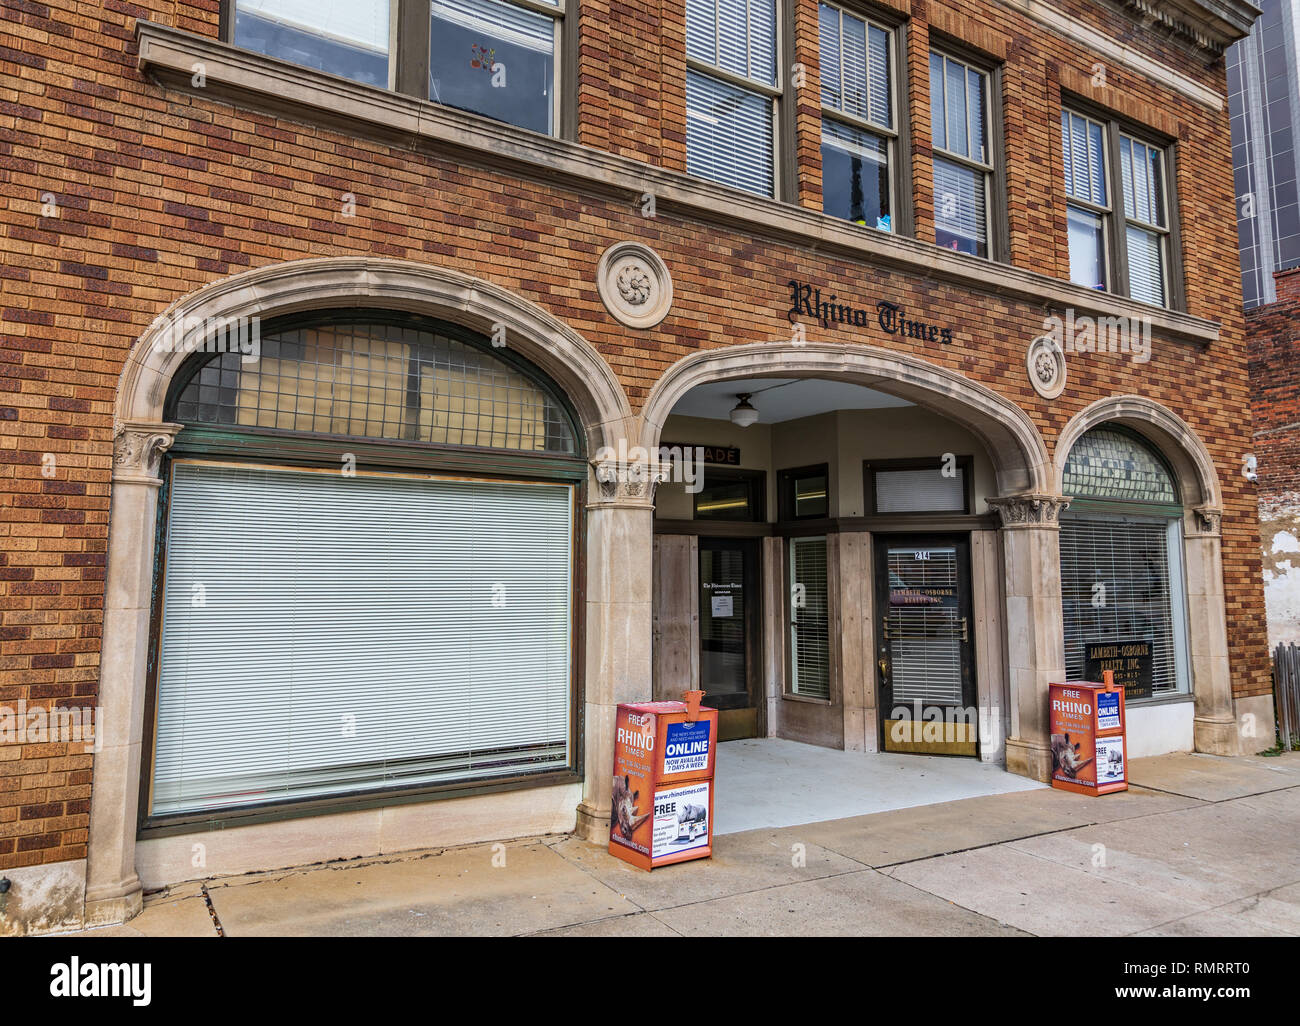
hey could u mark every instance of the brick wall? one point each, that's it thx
(156, 192)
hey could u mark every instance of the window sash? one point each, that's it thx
(436, 613)
(1109, 550)
(712, 43)
(980, 119)
(878, 66)
(721, 151)
(809, 621)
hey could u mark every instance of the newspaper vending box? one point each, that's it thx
(663, 784)
(1089, 751)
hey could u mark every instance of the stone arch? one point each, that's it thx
(1193, 467)
(141, 436)
(332, 282)
(1214, 723)
(1019, 455)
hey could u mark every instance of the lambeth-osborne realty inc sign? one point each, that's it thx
(806, 301)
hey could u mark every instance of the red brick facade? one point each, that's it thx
(1275, 375)
(121, 195)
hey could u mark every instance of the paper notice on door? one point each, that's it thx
(722, 605)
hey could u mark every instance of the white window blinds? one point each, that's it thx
(809, 619)
(1121, 580)
(729, 127)
(356, 22)
(324, 634)
(925, 490)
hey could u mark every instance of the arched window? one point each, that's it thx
(367, 572)
(1121, 557)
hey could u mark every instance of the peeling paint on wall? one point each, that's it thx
(1279, 530)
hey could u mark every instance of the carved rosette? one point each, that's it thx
(634, 284)
(631, 483)
(1046, 366)
(138, 450)
(1208, 520)
(1017, 511)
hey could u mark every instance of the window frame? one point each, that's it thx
(754, 480)
(897, 138)
(1114, 216)
(966, 464)
(303, 450)
(997, 227)
(785, 482)
(783, 176)
(408, 50)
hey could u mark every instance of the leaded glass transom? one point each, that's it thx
(377, 380)
(1110, 464)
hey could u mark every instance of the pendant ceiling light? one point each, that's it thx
(743, 415)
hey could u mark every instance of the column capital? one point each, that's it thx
(623, 483)
(1030, 510)
(1208, 520)
(138, 447)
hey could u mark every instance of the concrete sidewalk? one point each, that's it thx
(1198, 846)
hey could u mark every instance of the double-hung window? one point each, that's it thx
(731, 92)
(963, 155)
(859, 138)
(496, 58)
(1118, 211)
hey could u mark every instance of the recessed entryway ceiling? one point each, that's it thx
(782, 399)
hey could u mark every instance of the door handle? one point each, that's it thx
(884, 667)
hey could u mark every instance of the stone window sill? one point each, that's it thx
(175, 58)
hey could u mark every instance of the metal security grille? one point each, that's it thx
(378, 381)
(810, 661)
(1109, 464)
(1115, 585)
(924, 626)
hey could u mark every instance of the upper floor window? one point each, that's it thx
(497, 58)
(352, 39)
(859, 139)
(731, 92)
(1121, 232)
(963, 155)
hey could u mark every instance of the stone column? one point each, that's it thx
(619, 623)
(1215, 723)
(113, 892)
(1035, 626)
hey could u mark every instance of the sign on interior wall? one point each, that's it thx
(806, 301)
(1131, 662)
(723, 454)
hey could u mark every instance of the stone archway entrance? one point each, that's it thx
(1024, 503)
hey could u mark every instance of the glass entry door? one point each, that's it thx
(729, 624)
(924, 665)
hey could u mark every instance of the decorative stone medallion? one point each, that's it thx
(634, 284)
(1046, 365)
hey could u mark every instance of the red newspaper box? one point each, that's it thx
(663, 784)
(1089, 751)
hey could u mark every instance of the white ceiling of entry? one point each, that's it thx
(782, 399)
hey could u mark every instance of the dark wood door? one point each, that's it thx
(924, 647)
(729, 633)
